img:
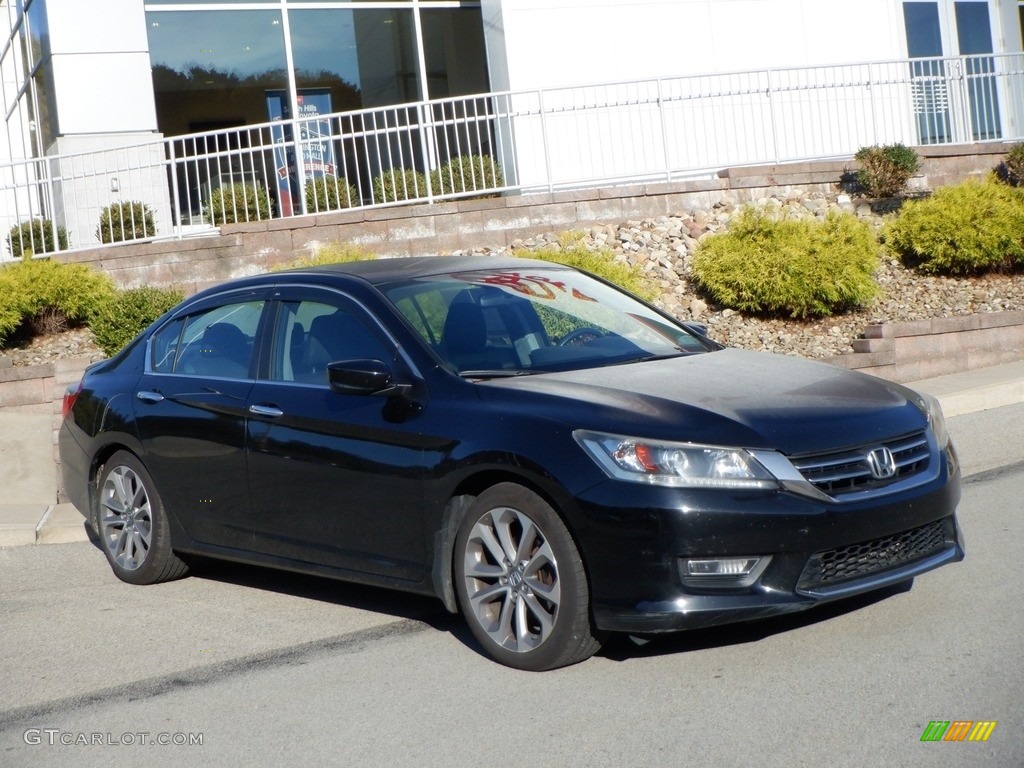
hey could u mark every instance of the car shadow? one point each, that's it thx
(430, 611)
(405, 605)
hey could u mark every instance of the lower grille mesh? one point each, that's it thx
(838, 565)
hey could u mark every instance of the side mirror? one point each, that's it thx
(699, 328)
(364, 377)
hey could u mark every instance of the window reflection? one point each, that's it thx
(212, 69)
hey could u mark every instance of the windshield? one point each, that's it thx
(511, 322)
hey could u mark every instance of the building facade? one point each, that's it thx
(83, 77)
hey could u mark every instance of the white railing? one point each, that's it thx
(659, 129)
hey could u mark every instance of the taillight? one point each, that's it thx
(70, 395)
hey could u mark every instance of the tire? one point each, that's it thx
(132, 526)
(521, 583)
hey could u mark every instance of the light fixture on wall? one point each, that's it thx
(115, 185)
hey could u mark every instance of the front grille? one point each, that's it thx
(852, 562)
(849, 471)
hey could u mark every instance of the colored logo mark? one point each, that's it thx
(958, 730)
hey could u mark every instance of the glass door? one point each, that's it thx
(974, 41)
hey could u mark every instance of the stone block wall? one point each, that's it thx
(925, 349)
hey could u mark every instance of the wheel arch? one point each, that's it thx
(459, 503)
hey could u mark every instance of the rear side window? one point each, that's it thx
(217, 342)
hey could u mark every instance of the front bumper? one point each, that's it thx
(636, 539)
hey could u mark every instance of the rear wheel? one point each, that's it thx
(521, 582)
(132, 526)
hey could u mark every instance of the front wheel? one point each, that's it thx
(132, 525)
(521, 582)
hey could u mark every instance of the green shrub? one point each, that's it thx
(885, 171)
(968, 228)
(35, 237)
(399, 184)
(46, 295)
(125, 315)
(600, 262)
(329, 193)
(1012, 168)
(238, 203)
(467, 173)
(332, 253)
(125, 221)
(799, 268)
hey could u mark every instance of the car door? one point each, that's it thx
(190, 410)
(336, 478)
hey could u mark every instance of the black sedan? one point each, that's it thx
(549, 455)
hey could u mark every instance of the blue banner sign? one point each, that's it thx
(314, 143)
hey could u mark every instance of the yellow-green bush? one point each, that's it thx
(798, 268)
(467, 173)
(332, 253)
(399, 184)
(600, 262)
(968, 228)
(46, 295)
(126, 314)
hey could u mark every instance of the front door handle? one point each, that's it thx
(148, 396)
(266, 410)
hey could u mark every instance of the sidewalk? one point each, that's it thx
(30, 514)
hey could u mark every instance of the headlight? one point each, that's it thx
(681, 465)
(931, 408)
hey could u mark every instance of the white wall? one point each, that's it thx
(570, 42)
(552, 43)
(101, 68)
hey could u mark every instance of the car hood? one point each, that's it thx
(733, 397)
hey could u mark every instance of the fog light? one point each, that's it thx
(724, 571)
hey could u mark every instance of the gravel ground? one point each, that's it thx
(663, 247)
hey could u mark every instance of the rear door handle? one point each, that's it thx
(266, 410)
(148, 396)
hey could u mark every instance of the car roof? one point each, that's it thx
(389, 270)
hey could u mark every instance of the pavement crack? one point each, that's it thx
(348, 643)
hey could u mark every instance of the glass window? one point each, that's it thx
(386, 51)
(42, 109)
(211, 69)
(453, 48)
(218, 342)
(39, 33)
(311, 334)
(324, 52)
(924, 37)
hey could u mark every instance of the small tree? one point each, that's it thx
(1011, 170)
(467, 173)
(329, 193)
(399, 184)
(36, 237)
(125, 220)
(885, 171)
(235, 203)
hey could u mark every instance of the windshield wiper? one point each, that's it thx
(498, 373)
(649, 358)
